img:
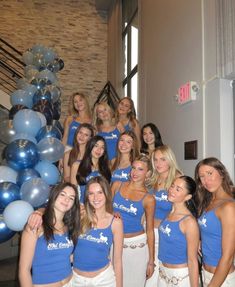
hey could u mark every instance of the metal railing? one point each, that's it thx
(11, 67)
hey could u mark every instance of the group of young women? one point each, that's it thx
(124, 218)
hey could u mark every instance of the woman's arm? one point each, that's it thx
(27, 249)
(66, 167)
(191, 231)
(117, 229)
(149, 206)
(67, 123)
(73, 172)
(226, 215)
(35, 219)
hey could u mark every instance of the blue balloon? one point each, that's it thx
(16, 214)
(38, 48)
(8, 192)
(40, 83)
(48, 172)
(21, 97)
(48, 75)
(50, 149)
(27, 121)
(49, 131)
(22, 136)
(43, 94)
(55, 93)
(35, 191)
(21, 154)
(26, 174)
(49, 55)
(30, 90)
(5, 232)
(7, 174)
(21, 83)
(30, 72)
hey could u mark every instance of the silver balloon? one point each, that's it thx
(7, 131)
(35, 191)
(50, 149)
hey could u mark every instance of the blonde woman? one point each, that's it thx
(166, 170)
(132, 201)
(79, 113)
(104, 121)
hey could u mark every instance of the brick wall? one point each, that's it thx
(74, 28)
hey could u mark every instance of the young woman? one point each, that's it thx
(94, 163)
(127, 151)
(179, 237)
(107, 128)
(99, 230)
(79, 113)
(126, 115)
(73, 157)
(166, 170)
(131, 200)
(47, 251)
(217, 212)
(150, 138)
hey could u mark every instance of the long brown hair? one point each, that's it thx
(73, 111)
(71, 218)
(204, 196)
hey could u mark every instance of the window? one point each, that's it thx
(130, 49)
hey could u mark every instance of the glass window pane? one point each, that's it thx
(125, 90)
(125, 55)
(134, 91)
(134, 46)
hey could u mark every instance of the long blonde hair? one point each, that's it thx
(73, 111)
(174, 170)
(97, 122)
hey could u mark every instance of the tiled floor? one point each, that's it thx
(8, 272)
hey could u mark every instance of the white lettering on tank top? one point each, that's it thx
(102, 239)
(130, 209)
(202, 221)
(166, 230)
(60, 245)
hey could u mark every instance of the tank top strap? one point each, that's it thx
(146, 193)
(185, 216)
(110, 225)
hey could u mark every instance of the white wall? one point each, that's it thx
(178, 44)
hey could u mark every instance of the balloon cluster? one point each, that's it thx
(32, 135)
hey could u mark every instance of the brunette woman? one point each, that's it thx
(217, 212)
(127, 151)
(47, 251)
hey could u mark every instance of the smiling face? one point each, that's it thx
(98, 149)
(103, 112)
(178, 192)
(83, 135)
(79, 103)
(139, 171)
(124, 106)
(148, 136)
(125, 144)
(96, 196)
(210, 178)
(65, 200)
(160, 163)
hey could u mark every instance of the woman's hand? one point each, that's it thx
(35, 220)
(150, 269)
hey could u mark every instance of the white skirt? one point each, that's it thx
(135, 260)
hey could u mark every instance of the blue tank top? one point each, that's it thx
(163, 206)
(121, 174)
(83, 187)
(131, 212)
(72, 130)
(111, 139)
(92, 250)
(51, 261)
(128, 127)
(172, 243)
(211, 236)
